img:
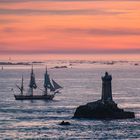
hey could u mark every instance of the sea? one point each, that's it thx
(81, 82)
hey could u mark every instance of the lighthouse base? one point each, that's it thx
(102, 110)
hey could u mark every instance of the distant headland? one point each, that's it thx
(20, 63)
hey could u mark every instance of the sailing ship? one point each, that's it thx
(50, 88)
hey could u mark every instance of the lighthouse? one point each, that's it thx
(106, 88)
(105, 108)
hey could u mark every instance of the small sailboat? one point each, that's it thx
(50, 88)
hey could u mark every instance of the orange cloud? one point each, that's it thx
(74, 27)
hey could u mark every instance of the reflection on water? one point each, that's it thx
(39, 119)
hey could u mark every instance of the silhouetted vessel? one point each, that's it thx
(49, 84)
(105, 108)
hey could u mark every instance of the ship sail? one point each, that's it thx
(50, 83)
(47, 82)
(32, 80)
(56, 85)
(32, 84)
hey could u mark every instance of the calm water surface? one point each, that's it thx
(82, 84)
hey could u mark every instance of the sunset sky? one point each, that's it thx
(69, 26)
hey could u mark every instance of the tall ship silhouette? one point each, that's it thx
(50, 88)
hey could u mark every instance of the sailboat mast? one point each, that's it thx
(45, 81)
(32, 84)
(22, 87)
(50, 84)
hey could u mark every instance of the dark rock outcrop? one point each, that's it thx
(60, 67)
(64, 123)
(102, 110)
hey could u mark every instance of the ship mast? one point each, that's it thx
(50, 84)
(47, 83)
(32, 84)
(46, 77)
(21, 88)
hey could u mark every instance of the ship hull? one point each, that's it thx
(34, 97)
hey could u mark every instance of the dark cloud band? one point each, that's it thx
(80, 31)
(58, 12)
(21, 1)
(98, 31)
(73, 51)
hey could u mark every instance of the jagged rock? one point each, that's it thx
(100, 110)
(64, 123)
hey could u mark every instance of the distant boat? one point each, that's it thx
(2, 68)
(50, 88)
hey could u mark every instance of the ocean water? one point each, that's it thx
(81, 83)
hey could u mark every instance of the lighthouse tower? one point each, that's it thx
(106, 88)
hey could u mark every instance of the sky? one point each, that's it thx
(69, 26)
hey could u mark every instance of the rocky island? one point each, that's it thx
(105, 108)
